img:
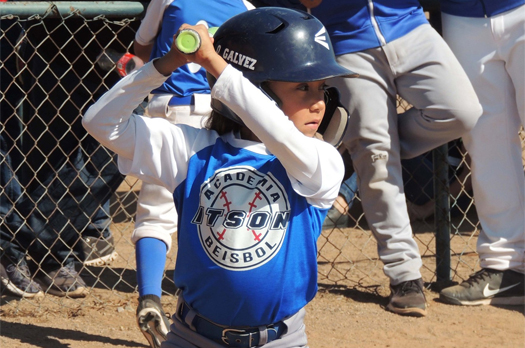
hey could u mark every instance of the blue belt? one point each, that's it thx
(174, 101)
(238, 337)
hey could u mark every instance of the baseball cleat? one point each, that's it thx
(407, 298)
(487, 286)
(152, 320)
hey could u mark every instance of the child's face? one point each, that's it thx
(302, 102)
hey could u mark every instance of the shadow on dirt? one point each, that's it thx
(367, 295)
(121, 279)
(49, 337)
(518, 309)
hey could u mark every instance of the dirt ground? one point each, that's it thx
(335, 318)
(339, 316)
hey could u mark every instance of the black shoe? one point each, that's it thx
(152, 320)
(487, 286)
(335, 219)
(64, 281)
(407, 298)
(17, 279)
(98, 251)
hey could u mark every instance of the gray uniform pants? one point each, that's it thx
(421, 68)
(180, 336)
(492, 51)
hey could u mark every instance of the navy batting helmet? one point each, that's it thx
(280, 44)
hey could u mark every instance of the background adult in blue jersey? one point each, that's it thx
(396, 52)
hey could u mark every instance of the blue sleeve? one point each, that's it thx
(150, 254)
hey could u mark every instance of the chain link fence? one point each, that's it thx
(60, 185)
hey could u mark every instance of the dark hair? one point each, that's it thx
(221, 124)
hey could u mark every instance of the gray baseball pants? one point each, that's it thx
(422, 69)
(180, 336)
(492, 52)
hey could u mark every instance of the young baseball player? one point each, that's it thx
(253, 188)
(184, 98)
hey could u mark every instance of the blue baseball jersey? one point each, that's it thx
(168, 16)
(359, 25)
(246, 238)
(250, 213)
(355, 26)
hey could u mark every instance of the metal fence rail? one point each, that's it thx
(67, 183)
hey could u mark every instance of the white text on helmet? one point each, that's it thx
(239, 59)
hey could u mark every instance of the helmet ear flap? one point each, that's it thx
(219, 107)
(337, 126)
(266, 89)
(335, 120)
(226, 111)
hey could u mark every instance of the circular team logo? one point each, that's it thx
(242, 217)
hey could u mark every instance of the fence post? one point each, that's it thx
(442, 212)
(441, 190)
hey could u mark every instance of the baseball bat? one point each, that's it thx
(189, 41)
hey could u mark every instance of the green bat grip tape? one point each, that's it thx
(189, 41)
